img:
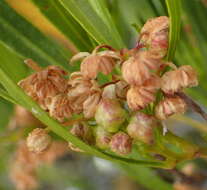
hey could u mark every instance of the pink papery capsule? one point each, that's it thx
(135, 72)
(169, 106)
(42, 86)
(183, 77)
(121, 143)
(155, 34)
(38, 140)
(95, 62)
(138, 97)
(60, 107)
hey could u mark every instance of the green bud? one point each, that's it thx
(141, 128)
(103, 138)
(121, 143)
(110, 114)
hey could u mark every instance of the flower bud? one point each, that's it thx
(138, 97)
(141, 127)
(110, 114)
(60, 107)
(45, 84)
(135, 72)
(103, 138)
(121, 143)
(38, 140)
(183, 77)
(170, 106)
(83, 132)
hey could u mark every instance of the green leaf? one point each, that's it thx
(17, 94)
(61, 19)
(174, 10)
(6, 110)
(94, 25)
(27, 41)
(146, 177)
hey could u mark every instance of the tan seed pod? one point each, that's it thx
(141, 128)
(79, 91)
(183, 77)
(38, 140)
(121, 143)
(135, 72)
(60, 107)
(170, 106)
(95, 62)
(138, 97)
(45, 84)
(154, 35)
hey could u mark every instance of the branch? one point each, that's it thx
(193, 105)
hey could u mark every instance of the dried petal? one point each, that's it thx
(121, 143)
(175, 81)
(90, 105)
(110, 114)
(134, 71)
(121, 89)
(79, 91)
(44, 85)
(141, 128)
(170, 106)
(138, 97)
(38, 140)
(60, 107)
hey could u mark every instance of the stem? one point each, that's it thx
(193, 105)
(33, 65)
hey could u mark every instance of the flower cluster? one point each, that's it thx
(135, 79)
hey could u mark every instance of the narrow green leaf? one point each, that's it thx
(174, 11)
(61, 19)
(146, 177)
(27, 41)
(94, 25)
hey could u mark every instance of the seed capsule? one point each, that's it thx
(170, 106)
(97, 62)
(121, 143)
(154, 35)
(60, 107)
(110, 114)
(141, 128)
(138, 97)
(42, 86)
(121, 89)
(38, 140)
(183, 77)
(79, 91)
(103, 138)
(135, 72)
